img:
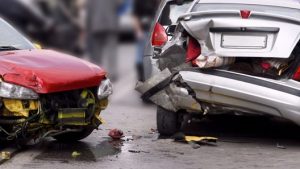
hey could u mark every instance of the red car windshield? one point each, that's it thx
(11, 39)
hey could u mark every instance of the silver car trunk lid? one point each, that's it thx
(224, 32)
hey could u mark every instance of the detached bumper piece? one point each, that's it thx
(167, 90)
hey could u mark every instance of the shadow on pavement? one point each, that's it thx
(245, 129)
(79, 151)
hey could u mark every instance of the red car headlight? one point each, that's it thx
(105, 89)
(12, 91)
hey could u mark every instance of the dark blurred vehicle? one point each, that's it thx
(166, 21)
(49, 22)
(44, 93)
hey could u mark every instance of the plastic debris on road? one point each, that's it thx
(280, 146)
(75, 154)
(192, 140)
(5, 155)
(116, 134)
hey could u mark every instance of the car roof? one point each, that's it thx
(278, 3)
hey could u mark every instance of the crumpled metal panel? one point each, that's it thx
(168, 95)
(199, 28)
(46, 71)
(154, 81)
(172, 57)
(182, 99)
(163, 100)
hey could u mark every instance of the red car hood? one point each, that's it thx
(47, 71)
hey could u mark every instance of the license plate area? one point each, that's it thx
(244, 41)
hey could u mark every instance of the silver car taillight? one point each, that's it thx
(193, 50)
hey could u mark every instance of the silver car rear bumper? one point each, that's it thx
(194, 90)
(271, 97)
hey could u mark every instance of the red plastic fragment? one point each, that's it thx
(193, 50)
(116, 134)
(265, 65)
(296, 76)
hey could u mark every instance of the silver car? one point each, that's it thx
(233, 56)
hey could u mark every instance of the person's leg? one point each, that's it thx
(139, 59)
(110, 48)
(95, 48)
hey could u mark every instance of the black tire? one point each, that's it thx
(74, 136)
(167, 122)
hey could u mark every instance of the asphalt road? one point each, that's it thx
(243, 142)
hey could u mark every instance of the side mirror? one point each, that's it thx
(37, 45)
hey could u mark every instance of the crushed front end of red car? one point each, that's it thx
(45, 93)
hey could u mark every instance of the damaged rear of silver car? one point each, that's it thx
(229, 57)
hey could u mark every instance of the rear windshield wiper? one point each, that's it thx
(5, 48)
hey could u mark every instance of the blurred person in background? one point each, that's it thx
(81, 18)
(144, 12)
(68, 25)
(102, 33)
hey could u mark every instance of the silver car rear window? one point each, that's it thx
(290, 12)
(171, 12)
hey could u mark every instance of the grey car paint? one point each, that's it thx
(149, 51)
(220, 91)
(148, 62)
(288, 35)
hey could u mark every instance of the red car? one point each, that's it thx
(44, 93)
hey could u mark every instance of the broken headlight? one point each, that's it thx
(105, 89)
(12, 91)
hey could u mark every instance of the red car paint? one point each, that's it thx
(46, 71)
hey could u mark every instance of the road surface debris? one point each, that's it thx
(5, 155)
(116, 134)
(75, 154)
(195, 141)
(280, 146)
